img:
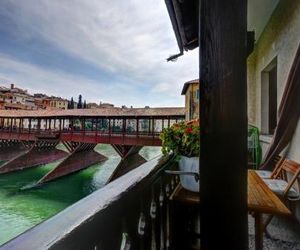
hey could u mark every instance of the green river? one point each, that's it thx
(22, 208)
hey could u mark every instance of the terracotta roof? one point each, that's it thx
(174, 111)
(186, 85)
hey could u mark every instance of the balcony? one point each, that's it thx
(136, 211)
(132, 211)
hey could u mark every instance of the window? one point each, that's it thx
(197, 94)
(190, 105)
(269, 98)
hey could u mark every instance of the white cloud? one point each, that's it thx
(130, 38)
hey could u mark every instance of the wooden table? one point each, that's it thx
(261, 200)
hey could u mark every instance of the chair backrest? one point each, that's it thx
(289, 169)
(277, 161)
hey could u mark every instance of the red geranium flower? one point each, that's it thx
(188, 130)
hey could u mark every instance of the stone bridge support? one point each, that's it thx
(36, 153)
(10, 149)
(82, 156)
(131, 159)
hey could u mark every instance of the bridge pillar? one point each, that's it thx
(37, 153)
(82, 156)
(130, 159)
(10, 149)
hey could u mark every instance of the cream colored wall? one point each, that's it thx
(280, 38)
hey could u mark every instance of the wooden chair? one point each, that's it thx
(282, 182)
(267, 174)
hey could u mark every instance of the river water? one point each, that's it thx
(22, 208)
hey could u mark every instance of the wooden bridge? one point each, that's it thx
(29, 138)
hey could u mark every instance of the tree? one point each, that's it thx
(84, 104)
(79, 105)
(72, 103)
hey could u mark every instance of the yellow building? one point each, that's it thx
(192, 95)
(58, 103)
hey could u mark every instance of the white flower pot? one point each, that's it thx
(189, 164)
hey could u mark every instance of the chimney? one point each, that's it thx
(12, 86)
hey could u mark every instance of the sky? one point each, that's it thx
(108, 51)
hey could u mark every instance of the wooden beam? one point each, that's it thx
(223, 111)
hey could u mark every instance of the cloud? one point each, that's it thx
(130, 39)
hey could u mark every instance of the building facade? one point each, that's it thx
(192, 95)
(268, 68)
(16, 98)
(59, 103)
(54, 103)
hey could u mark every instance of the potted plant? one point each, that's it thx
(183, 139)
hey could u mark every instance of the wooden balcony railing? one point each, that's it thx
(131, 212)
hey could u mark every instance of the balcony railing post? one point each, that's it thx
(10, 125)
(153, 120)
(29, 126)
(149, 127)
(109, 128)
(137, 127)
(96, 128)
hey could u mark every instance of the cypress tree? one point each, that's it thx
(72, 103)
(79, 106)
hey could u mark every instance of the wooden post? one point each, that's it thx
(124, 126)
(11, 124)
(54, 124)
(39, 124)
(223, 111)
(60, 122)
(96, 127)
(124, 129)
(20, 125)
(109, 127)
(63, 124)
(72, 125)
(259, 230)
(29, 126)
(83, 126)
(153, 127)
(137, 127)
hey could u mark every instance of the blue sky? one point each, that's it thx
(109, 51)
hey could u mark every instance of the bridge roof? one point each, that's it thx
(100, 112)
